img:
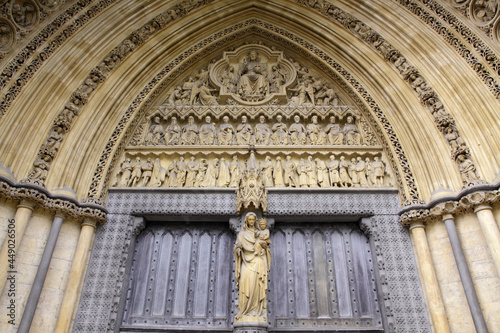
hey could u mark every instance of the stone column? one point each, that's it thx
(490, 230)
(43, 267)
(76, 275)
(13, 241)
(463, 270)
(429, 280)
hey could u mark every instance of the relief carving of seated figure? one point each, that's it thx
(189, 134)
(280, 132)
(173, 133)
(262, 132)
(226, 132)
(351, 132)
(253, 80)
(297, 132)
(243, 132)
(207, 132)
(334, 133)
(315, 132)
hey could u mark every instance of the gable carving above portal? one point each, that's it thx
(253, 75)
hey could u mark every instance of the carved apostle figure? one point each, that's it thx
(224, 174)
(158, 174)
(189, 134)
(297, 132)
(252, 84)
(378, 169)
(302, 171)
(267, 172)
(126, 172)
(235, 168)
(173, 133)
(333, 171)
(280, 132)
(291, 179)
(344, 175)
(278, 173)
(334, 133)
(312, 176)
(351, 132)
(207, 132)
(212, 174)
(243, 132)
(226, 132)
(251, 272)
(202, 173)
(323, 180)
(369, 171)
(360, 171)
(155, 133)
(192, 170)
(351, 170)
(136, 173)
(147, 171)
(181, 167)
(315, 132)
(262, 132)
(172, 174)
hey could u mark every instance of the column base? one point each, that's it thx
(250, 327)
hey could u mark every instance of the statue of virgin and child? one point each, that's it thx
(253, 260)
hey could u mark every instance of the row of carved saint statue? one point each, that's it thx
(307, 173)
(263, 134)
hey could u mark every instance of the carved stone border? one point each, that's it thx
(460, 153)
(463, 30)
(398, 283)
(463, 202)
(53, 202)
(154, 88)
(410, 74)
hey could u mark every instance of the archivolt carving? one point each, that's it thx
(63, 122)
(270, 35)
(460, 153)
(465, 34)
(360, 29)
(11, 69)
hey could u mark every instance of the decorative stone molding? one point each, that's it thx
(32, 48)
(59, 203)
(64, 120)
(465, 201)
(427, 96)
(407, 185)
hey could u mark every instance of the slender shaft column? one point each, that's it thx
(13, 240)
(489, 226)
(429, 280)
(76, 276)
(463, 270)
(43, 267)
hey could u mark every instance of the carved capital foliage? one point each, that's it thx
(45, 200)
(464, 202)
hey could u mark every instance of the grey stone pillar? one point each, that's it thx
(463, 270)
(43, 267)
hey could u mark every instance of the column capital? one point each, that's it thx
(417, 224)
(483, 206)
(26, 203)
(89, 222)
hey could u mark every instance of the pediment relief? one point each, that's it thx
(254, 75)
